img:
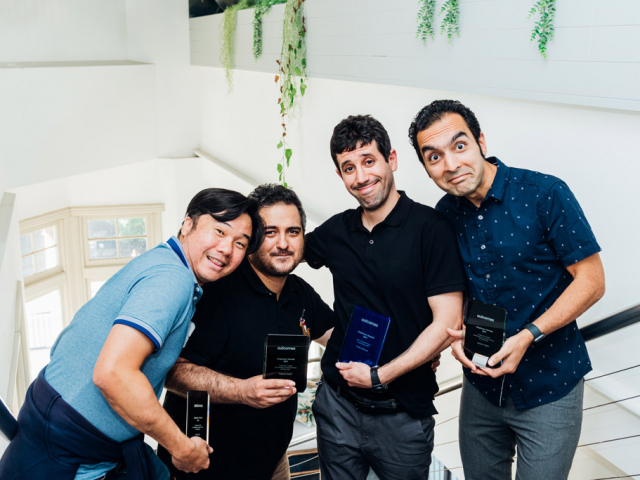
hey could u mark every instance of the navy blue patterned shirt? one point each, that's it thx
(515, 248)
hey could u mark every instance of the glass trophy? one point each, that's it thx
(485, 330)
(198, 414)
(365, 337)
(286, 358)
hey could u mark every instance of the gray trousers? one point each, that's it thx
(395, 446)
(546, 436)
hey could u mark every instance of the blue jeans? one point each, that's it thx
(546, 436)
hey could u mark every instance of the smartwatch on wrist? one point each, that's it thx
(535, 331)
(376, 386)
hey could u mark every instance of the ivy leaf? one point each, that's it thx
(303, 87)
(279, 168)
(298, 72)
(280, 144)
(277, 78)
(287, 154)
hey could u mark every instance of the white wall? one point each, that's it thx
(593, 59)
(61, 30)
(591, 149)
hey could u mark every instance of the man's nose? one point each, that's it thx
(282, 243)
(226, 246)
(451, 163)
(361, 176)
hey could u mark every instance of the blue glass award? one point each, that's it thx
(365, 337)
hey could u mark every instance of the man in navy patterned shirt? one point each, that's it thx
(527, 247)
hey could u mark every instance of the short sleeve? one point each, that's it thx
(443, 271)
(565, 225)
(323, 318)
(315, 246)
(211, 328)
(157, 302)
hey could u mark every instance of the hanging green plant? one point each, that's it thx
(543, 30)
(451, 19)
(425, 18)
(227, 36)
(292, 74)
(262, 8)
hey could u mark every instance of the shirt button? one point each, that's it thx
(480, 217)
(488, 275)
(195, 298)
(482, 247)
(371, 242)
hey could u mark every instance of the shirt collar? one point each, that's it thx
(255, 281)
(499, 184)
(394, 219)
(174, 244)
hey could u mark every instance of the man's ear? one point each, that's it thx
(393, 160)
(339, 174)
(425, 168)
(187, 226)
(483, 144)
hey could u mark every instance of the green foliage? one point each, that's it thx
(292, 74)
(451, 20)
(262, 8)
(543, 30)
(227, 35)
(425, 20)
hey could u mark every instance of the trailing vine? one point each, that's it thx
(451, 20)
(543, 30)
(227, 35)
(262, 8)
(425, 20)
(292, 74)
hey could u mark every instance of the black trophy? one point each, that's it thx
(485, 329)
(198, 414)
(286, 357)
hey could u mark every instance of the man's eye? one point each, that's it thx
(434, 157)
(369, 162)
(460, 146)
(219, 232)
(348, 169)
(241, 245)
(269, 232)
(294, 232)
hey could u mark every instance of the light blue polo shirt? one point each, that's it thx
(155, 293)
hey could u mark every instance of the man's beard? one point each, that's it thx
(264, 262)
(376, 200)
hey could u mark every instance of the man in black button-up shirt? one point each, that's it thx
(399, 259)
(527, 247)
(251, 417)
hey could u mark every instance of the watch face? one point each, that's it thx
(381, 388)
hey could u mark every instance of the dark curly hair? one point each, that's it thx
(225, 205)
(356, 131)
(270, 194)
(436, 111)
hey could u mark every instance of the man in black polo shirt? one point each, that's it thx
(399, 259)
(251, 419)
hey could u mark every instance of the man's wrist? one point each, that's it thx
(527, 337)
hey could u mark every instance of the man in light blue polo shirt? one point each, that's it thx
(107, 370)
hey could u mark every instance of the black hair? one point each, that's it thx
(436, 111)
(270, 194)
(356, 131)
(224, 205)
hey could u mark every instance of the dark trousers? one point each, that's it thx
(396, 446)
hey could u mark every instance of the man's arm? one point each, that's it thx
(587, 288)
(447, 313)
(117, 374)
(256, 392)
(324, 338)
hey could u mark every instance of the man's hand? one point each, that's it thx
(356, 374)
(194, 457)
(435, 363)
(457, 350)
(258, 392)
(510, 354)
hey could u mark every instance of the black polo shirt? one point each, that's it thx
(232, 321)
(393, 270)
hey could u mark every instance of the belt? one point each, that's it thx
(365, 405)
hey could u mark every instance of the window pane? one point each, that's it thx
(44, 324)
(132, 247)
(102, 228)
(27, 266)
(25, 244)
(132, 227)
(103, 249)
(46, 259)
(95, 286)
(45, 238)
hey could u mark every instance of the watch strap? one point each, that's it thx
(535, 331)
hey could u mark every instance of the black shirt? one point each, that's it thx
(232, 321)
(392, 270)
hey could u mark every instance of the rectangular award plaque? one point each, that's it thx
(285, 357)
(485, 329)
(198, 414)
(365, 337)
